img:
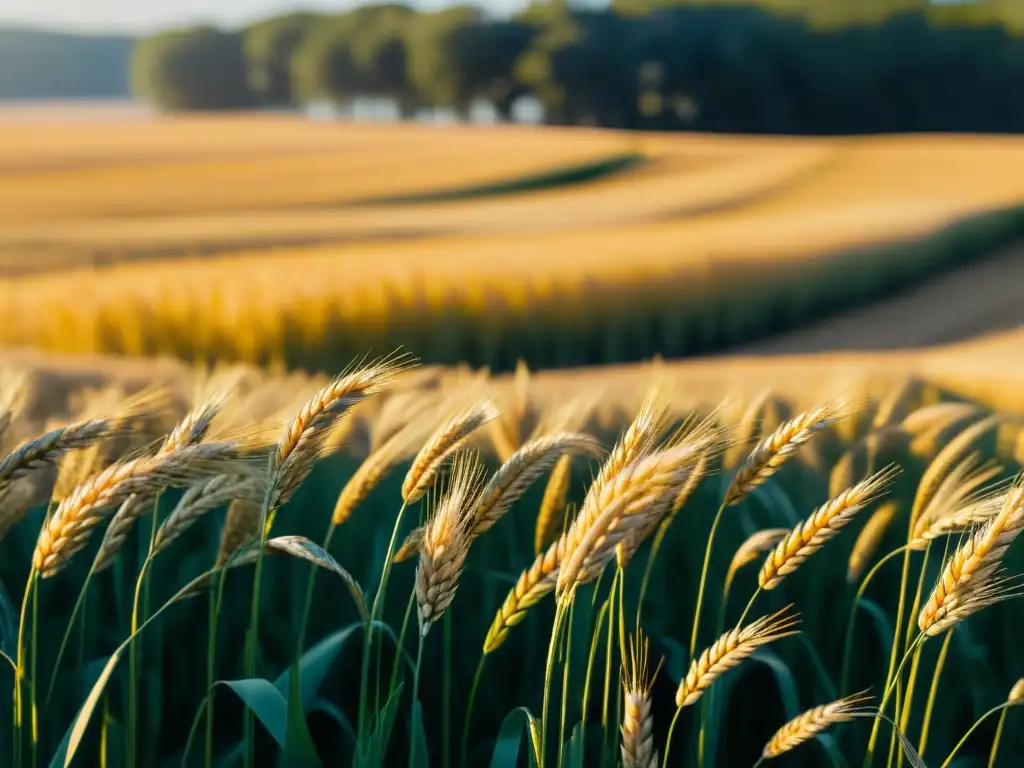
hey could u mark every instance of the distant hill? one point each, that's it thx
(46, 65)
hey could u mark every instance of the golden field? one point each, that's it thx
(255, 238)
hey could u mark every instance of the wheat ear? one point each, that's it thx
(806, 726)
(531, 587)
(202, 498)
(442, 445)
(754, 547)
(68, 529)
(779, 447)
(969, 571)
(808, 537)
(731, 649)
(189, 431)
(522, 468)
(638, 717)
(551, 516)
(446, 541)
(1016, 693)
(305, 436)
(241, 528)
(869, 540)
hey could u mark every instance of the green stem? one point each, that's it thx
(668, 739)
(400, 646)
(565, 675)
(211, 657)
(32, 677)
(648, 568)
(994, 752)
(929, 707)
(416, 672)
(30, 584)
(608, 653)
(750, 604)
(548, 669)
(446, 699)
(703, 579)
(132, 662)
(844, 677)
(468, 718)
(378, 602)
(888, 692)
(908, 703)
(894, 653)
(252, 634)
(594, 638)
(79, 605)
(972, 729)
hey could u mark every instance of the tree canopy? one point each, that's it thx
(776, 66)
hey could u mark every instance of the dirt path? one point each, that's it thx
(970, 301)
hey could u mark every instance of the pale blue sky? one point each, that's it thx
(146, 15)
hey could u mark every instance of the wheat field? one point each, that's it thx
(257, 239)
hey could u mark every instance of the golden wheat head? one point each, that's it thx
(731, 649)
(808, 537)
(806, 726)
(779, 447)
(637, 727)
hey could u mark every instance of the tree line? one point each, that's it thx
(780, 66)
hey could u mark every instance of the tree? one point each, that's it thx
(435, 69)
(194, 68)
(322, 66)
(269, 46)
(380, 52)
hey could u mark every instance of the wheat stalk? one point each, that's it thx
(522, 468)
(869, 540)
(808, 537)
(442, 445)
(445, 544)
(731, 649)
(809, 724)
(779, 447)
(637, 727)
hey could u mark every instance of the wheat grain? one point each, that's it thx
(956, 504)
(808, 537)
(809, 724)
(731, 649)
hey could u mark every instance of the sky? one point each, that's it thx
(140, 16)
